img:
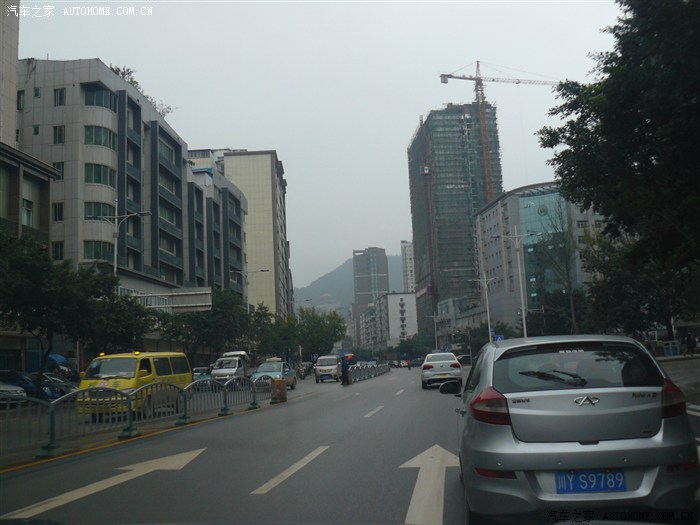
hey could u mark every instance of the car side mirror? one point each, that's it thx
(451, 387)
(142, 372)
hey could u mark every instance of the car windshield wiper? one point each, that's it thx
(551, 375)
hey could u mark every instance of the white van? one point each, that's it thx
(230, 365)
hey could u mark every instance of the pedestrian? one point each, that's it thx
(690, 344)
(408, 363)
(344, 371)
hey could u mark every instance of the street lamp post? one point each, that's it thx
(117, 221)
(434, 317)
(485, 283)
(517, 241)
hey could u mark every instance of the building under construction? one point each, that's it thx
(454, 170)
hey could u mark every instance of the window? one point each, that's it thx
(20, 100)
(168, 244)
(59, 134)
(58, 166)
(166, 150)
(35, 129)
(98, 250)
(168, 182)
(98, 209)
(100, 174)
(57, 250)
(167, 213)
(27, 212)
(57, 211)
(96, 95)
(99, 136)
(59, 97)
(37, 92)
(582, 224)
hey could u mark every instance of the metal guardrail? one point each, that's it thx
(27, 423)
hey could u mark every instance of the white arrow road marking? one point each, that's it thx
(175, 462)
(428, 497)
(279, 478)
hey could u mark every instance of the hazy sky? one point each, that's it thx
(337, 89)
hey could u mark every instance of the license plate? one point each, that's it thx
(590, 481)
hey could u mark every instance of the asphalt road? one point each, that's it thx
(331, 454)
(378, 451)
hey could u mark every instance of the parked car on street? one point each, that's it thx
(275, 368)
(47, 389)
(66, 386)
(440, 367)
(11, 395)
(561, 423)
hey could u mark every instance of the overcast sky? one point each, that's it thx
(337, 89)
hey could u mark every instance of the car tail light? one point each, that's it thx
(683, 467)
(455, 365)
(490, 406)
(672, 400)
(501, 474)
(427, 367)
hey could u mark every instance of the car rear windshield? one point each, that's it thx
(571, 366)
(432, 358)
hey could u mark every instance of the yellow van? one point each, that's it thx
(129, 371)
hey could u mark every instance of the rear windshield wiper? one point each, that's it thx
(577, 379)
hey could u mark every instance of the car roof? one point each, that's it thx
(500, 347)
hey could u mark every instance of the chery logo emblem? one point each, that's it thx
(586, 400)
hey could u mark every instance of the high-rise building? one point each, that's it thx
(123, 171)
(448, 184)
(370, 274)
(260, 176)
(409, 277)
(25, 181)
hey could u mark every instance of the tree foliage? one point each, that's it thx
(128, 74)
(633, 294)
(44, 298)
(630, 147)
(319, 331)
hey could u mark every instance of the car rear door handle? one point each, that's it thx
(460, 411)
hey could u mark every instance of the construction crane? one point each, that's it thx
(481, 106)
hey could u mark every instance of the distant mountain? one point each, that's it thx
(337, 290)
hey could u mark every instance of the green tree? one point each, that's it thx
(633, 294)
(188, 329)
(118, 324)
(472, 339)
(319, 331)
(630, 147)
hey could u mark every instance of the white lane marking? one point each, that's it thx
(692, 412)
(282, 476)
(174, 462)
(428, 499)
(370, 414)
(399, 392)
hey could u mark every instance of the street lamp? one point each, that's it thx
(245, 278)
(434, 317)
(485, 283)
(117, 221)
(517, 241)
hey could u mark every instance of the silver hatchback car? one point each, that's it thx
(573, 423)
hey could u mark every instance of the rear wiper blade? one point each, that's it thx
(577, 379)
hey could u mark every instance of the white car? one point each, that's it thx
(327, 367)
(440, 367)
(11, 395)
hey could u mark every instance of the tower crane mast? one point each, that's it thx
(481, 107)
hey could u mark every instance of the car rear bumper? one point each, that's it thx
(658, 471)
